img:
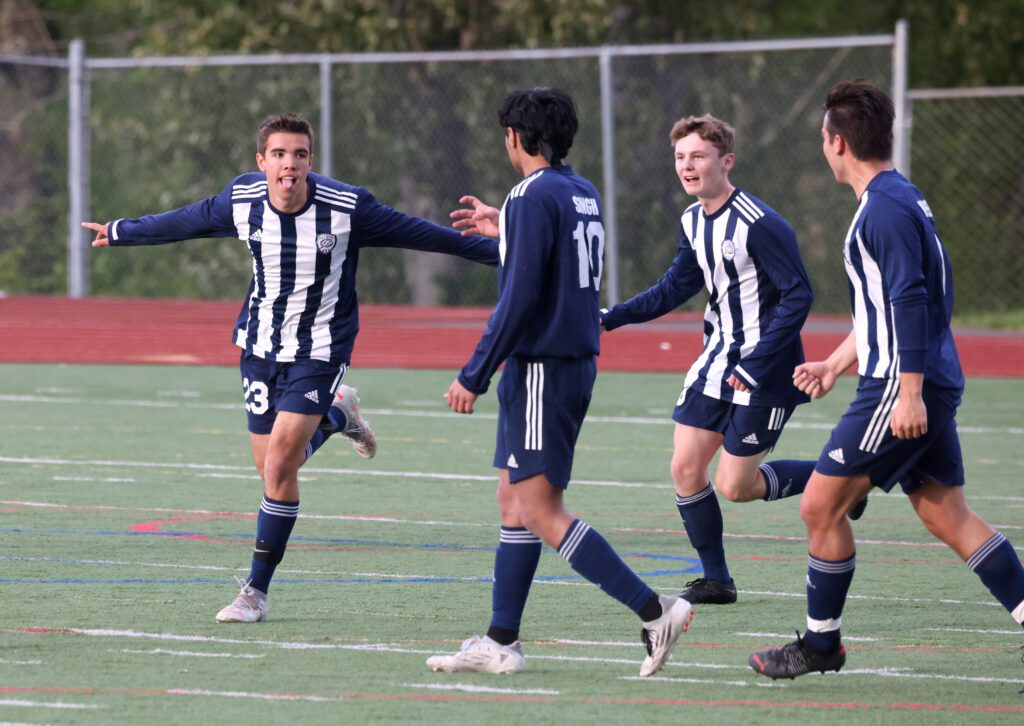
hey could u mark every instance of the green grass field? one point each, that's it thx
(127, 497)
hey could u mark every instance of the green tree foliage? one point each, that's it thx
(164, 137)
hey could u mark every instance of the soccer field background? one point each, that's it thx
(127, 503)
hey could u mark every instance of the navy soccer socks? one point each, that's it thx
(702, 517)
(828, 581)
(589, 554)
(273, 528)
(515, 563)
(786, 477)
(999, 568)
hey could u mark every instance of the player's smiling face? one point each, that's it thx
(701, 168)
(286, 162)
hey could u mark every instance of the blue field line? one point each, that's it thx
(304, 581)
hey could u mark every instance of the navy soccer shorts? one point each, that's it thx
(306, 387)
(541, 407)
(862, 441)
(748, 430)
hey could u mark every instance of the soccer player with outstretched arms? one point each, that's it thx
(299, 320)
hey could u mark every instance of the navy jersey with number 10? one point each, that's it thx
(551, 248)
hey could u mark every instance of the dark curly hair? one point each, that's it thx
(544, 118)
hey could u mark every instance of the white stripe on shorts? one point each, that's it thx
(534, 407)
(880, 418)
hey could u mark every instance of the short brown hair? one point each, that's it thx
(721, 135)
(862, 114)
(288, 123)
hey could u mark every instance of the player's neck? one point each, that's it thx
(710, 205)
(860, 173)
(530, 164)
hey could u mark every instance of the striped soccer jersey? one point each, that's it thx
(746, 256)
(901, 286)
(302, 301)
(552, 247)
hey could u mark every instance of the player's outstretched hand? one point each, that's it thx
(101, 234)
(478, 218)
(815, 379)
(459, 399)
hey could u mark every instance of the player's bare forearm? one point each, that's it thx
(844, 356)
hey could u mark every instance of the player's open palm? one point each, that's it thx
(815, 378)
(477, 218)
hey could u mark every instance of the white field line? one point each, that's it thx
(4, 661)
(92, 478)
(975, 630)
(46, 704)
(413, 413)
(789, 636)
(226, 469)
(192, 653)
(469, 688)
(393, 648)
(249, 695)
(677, 679)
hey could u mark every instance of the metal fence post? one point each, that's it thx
(326, 115)
(78, 171)
(901, 124)
(611, 228)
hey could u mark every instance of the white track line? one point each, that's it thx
(413, 413)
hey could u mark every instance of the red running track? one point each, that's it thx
(96, 330)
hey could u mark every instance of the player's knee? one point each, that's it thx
(735, 488)
(689, 479)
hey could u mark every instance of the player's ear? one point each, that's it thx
(730, 161)
(260, 162)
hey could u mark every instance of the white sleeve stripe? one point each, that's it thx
(113, 229)
(749, 204)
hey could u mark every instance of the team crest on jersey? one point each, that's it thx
(728, 250)
(325, 242)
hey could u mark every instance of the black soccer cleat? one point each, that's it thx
(796, 659)
(857, 510)
(703, 591)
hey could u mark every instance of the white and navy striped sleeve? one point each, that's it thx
(210, 217)
(378, 225)
(894, 237)
(681, 281)
(772, 244)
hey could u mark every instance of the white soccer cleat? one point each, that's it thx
(357, 430)
(249, 606)
(660, 635)
(481, 655)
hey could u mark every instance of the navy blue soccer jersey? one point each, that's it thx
(759, 295)
(302, 300)
(552, 248)
(901, 286)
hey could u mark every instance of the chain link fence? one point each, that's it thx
(421, 131)
(967, 156)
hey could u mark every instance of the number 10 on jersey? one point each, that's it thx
(589, 238)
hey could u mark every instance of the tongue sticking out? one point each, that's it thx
(287, 183)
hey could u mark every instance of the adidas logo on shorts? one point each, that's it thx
(837, 455)
(750, 439)
(312, 396)
(512, 461)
